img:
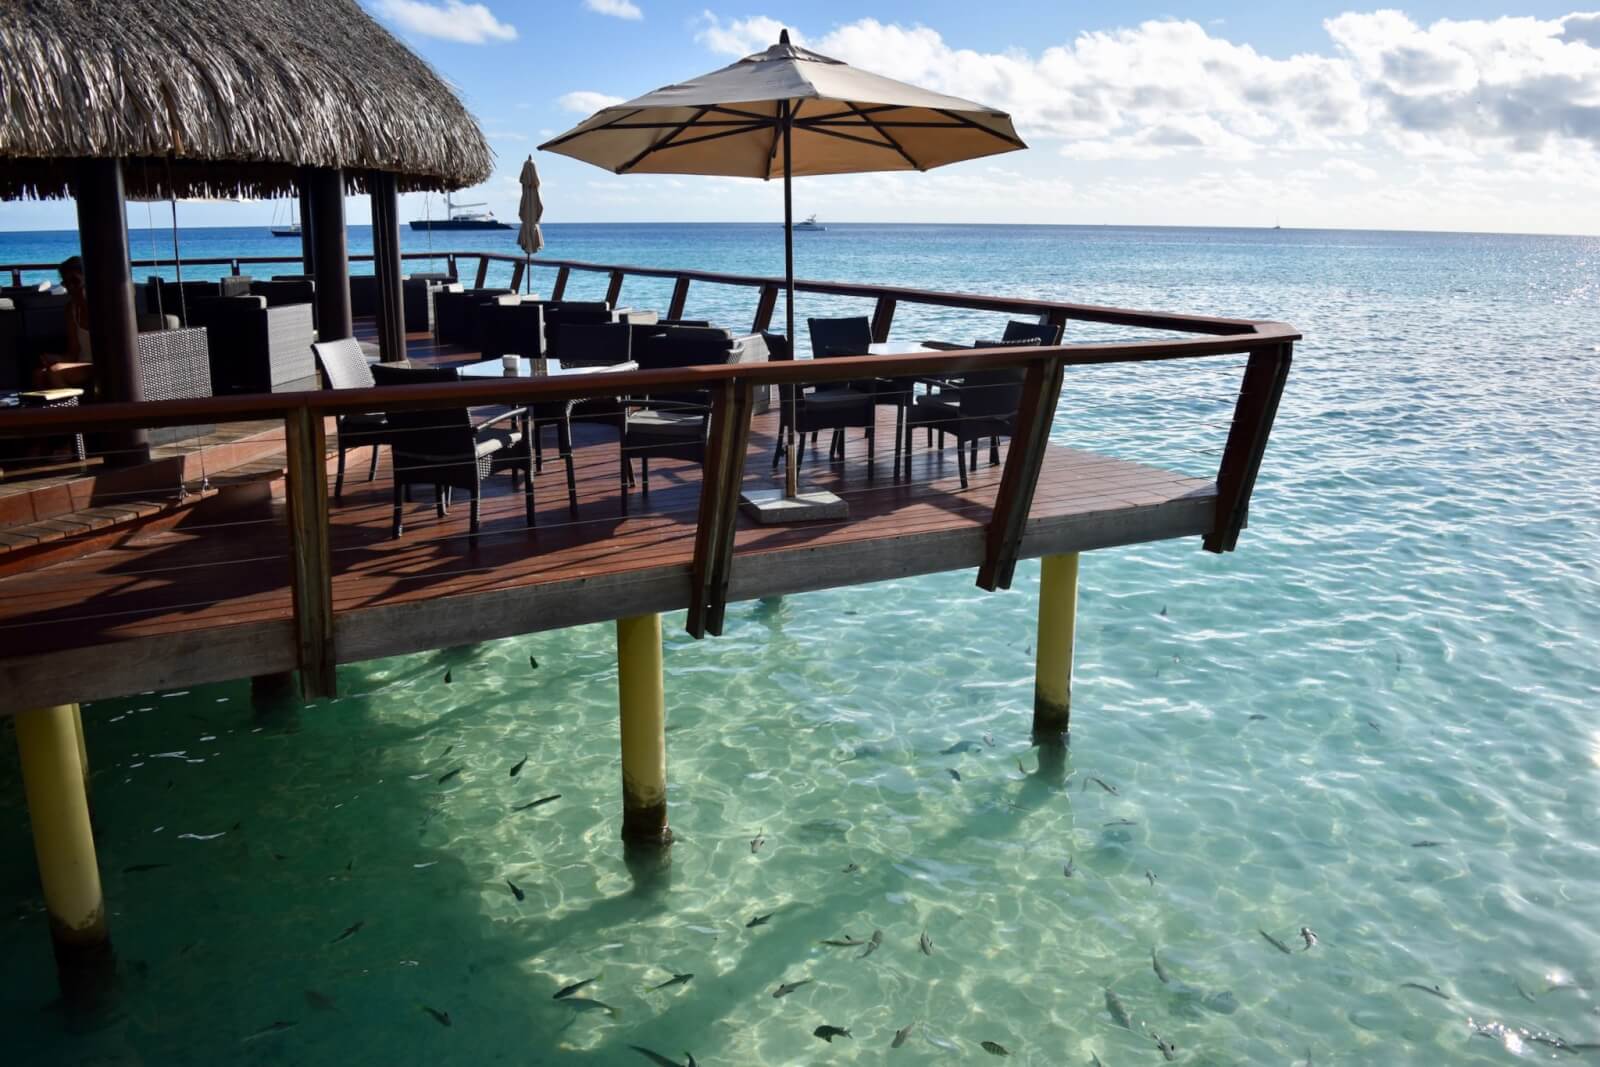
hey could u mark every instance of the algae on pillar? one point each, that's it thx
(642, 708)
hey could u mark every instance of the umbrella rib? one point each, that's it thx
(898, 147)
(665, 141)
(824, 131)
(564, 138)
(689, 141)
(963, 120)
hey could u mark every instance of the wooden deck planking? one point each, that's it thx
(205, 601)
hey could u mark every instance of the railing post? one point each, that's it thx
(614, 290)
(16, 277)
(483, 272)
(680, 297)
(726, 447)
(450, 266)
(233, 267)
(1040, 391)
(311, 577)
(516, 275)
(765, 306)
(882, 319)
(559, 290)
(1259, 393)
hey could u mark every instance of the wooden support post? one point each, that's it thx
(680, 297)
(765, 306)
(727, 444)
(108, 288)
(384, 193)
(312, 576)
(63, 842)
(330, 254)
(1058, 319)
(559, 290)
(1058, 626)
(1259, 393)
(882, 319)
(308, 221)
(483, 272)
(517, 270)
(1009, 519)
(642, 706)
(614, 290)
(450, 266)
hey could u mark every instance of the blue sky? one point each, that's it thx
(1470, 115)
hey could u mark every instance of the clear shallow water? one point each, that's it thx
(1412, 612)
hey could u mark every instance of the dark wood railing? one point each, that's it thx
(1268, 346)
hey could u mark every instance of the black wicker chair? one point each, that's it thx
(508, 325)
(853, 337)
(455, 315)
(984, 405)
(345, 366)
(444, 448)
(827, 407)
(669, 425)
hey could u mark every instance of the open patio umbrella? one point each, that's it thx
(530, 209)
(784, 112)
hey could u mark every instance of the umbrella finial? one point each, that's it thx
(783, 37)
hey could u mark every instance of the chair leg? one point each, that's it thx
(527, 490)
(799, 449)
(472, 527)
(397, 528)
(836, 449)
(899, 423)
(871, 445)
(994, 451)
(441, 504)
(961, 460)
(338, 478)
(372, 471)
(564, 441)
(644, 475)
(538, 449)
(777, 450)
(974, 462)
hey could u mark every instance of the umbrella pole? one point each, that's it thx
(791, 478)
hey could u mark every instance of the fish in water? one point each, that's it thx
(988, 739)
(872, 944)
(1309, 936)
(828, 1033)
(566, 991)
(1121, 822)
(320, 1001)
(1258, 717)
(440, 1017)
(519, 894)
(789, 987)
(850, 868)
(447, 775)
(1163, 611)
(1094, 1061)
(1435, 990)
(1274, 942)
(1426, 844)
(533, 663)
(1118, 1010)
(349, 932)
(658, 1058)
(1169, 1051)
(900, 1036)
(516, 768)
(994, 1048)
(760, 920)
(139, 867)
(1525, 994)
(1148, 873)
(447, 677)
(676, 979)
(581, 1004)
(447, 750)
(1070, 867)
(1375, 726)
(757, 841)
(954, 773)
(925, 943)
(536, 803)
(1020, 768)
(1161, 972)
(1102, 784)
(271, 1028)
(958, 748)
(847, 941)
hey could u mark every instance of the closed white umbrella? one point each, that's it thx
(779, 113)
(530, 209)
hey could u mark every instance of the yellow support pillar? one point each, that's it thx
(1058, 623)
(52, 778)
(642, 707)
(83, 746)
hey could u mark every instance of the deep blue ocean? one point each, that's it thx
(1379, 720)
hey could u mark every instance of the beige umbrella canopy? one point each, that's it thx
(784, 112)
(530, 209)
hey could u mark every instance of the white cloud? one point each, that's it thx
(622, 9)
(1453, 90)
(448, 20)
(585, 101)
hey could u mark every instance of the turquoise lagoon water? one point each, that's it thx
(1405, 648)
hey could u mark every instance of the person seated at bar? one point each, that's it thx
(74, 370)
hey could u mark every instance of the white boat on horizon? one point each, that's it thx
(809, 225)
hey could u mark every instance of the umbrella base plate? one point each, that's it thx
(771, 506)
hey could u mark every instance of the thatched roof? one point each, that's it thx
(229, 98)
